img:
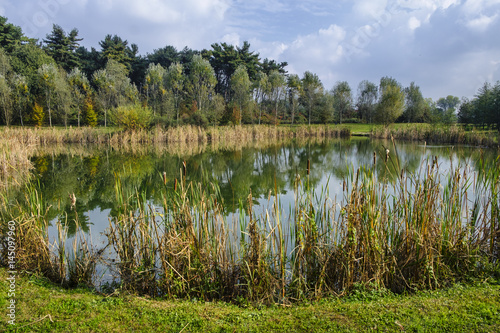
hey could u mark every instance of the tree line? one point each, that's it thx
(57, 81)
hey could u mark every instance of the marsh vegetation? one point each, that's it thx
(269, 222)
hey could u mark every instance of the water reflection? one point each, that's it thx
(90, 172)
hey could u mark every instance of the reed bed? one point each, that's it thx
(180, 134)
(436, 134)
(415, 231)
(18, 145)
(419, 232)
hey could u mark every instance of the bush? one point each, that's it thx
(131, 117)
(38, 115)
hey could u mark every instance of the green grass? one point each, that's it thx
(45, 307)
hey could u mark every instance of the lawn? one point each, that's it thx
(44, 307)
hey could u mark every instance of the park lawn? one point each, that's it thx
(44, 307)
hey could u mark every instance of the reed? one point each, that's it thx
(39, 255)
(436, 134)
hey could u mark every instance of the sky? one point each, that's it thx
(447, 47)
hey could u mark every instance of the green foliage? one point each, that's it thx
(114, 48)
(392, 101)
(312, 88)
(90, 114)
(415, 104)
(131, 117)
(342, 100)
(484, 108)
(26, 59)
(367, 99)
(61, 47)
(38, 115)
(10, 35)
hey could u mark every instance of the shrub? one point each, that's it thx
(131, 117)
(38, 115)
(90, 115)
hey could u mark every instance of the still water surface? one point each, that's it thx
(90, 173)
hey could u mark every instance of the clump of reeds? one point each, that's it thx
(451, 134)
(36, 253)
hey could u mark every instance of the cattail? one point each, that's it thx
(164, 178)
(72, 197)
(308, 166)
(175, 184)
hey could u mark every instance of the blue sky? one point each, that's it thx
(445, 46)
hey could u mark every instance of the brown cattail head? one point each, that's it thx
(175, 184)
(164, 178)
(308, 166)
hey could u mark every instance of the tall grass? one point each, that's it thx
(436, 134)
(415, 231)
(61, 262)
(418, 232)
(180, 134)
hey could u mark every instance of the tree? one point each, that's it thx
(61, 47)
(240, 84)
(367, 99)
(10, 35)
(90, 61)
(20, 94)
(38, 115)
(153, 85)
(294, 89)
(225, 59)
(63, 97)
(202, 81)
(271, 65)
(260, 91)
(47, 78)
(311, 89)
(446, 107)
(466, 113)
(6, 100)
(165, 56)
(494, 115)
(113, 87)
(80, 89)
(114, 48)
(26, 59)
(415, 104)
(391, 104)
(342, 99)
(174, 81)
(277, 85)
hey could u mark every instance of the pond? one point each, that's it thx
(90, 172)
(411, 199)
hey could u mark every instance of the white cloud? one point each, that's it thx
(481, 23)
(231, 38)
(413, 23)
(369, 8)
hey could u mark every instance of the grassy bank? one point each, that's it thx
(43, 307)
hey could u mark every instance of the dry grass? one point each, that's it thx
(436, 134)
